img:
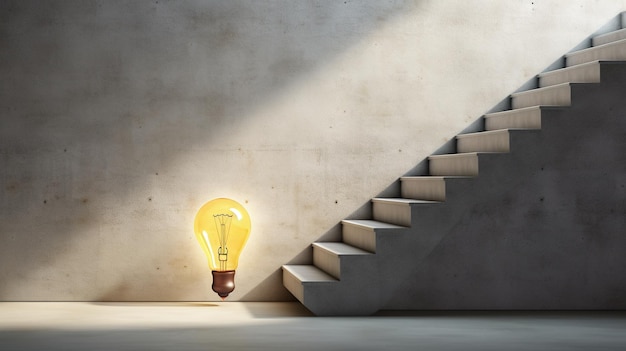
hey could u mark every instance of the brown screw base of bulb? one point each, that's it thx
(223, 283)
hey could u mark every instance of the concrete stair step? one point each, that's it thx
(609, 37)
(555, 95)
(396, 210)
(328, 256)
(434, 188)
(431, 188)
(583, 73)
(423, 188)
(526, 118)
(465, 164)
(591, 72)
(612, 51)
(296, 277)
(362, 233)
(324, 295)
(489, 141)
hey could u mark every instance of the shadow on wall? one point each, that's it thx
(98, 97)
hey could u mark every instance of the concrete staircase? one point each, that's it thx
(436, 246)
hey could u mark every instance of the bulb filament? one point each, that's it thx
(222, 225)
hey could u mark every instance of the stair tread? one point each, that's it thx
(613, 43)
(459, 154)
(527, 118)
(403, 200)
(570, 68)
(587, 72)
(486, 132)
(340, 248)
(618, 32)
(492, 132)
(539, 90)
(309, 273)
(615, 50)
(506, 112)
(371, 224)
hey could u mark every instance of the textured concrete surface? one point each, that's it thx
(288, 326)
(119, 119)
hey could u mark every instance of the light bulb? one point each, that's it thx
(222, 227)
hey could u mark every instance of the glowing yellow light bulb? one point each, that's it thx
(222, 227)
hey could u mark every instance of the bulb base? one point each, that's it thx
(223, 283)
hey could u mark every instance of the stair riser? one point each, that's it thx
(360, 237)
(527, 118)
(552, 96)
(461, 165)
(346, 268)
(327, 261)
(589, 73)
(433, 189)
(293, 285)
(392, 213)
(608, 38)
(484, 142)
(614, 51)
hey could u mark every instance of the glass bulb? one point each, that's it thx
(222, 227)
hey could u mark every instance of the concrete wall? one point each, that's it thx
(119, 119)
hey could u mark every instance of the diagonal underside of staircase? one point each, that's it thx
(528, 213)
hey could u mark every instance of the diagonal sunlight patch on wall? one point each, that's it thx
(118, 97)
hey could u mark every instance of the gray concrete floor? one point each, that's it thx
(288, 326)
